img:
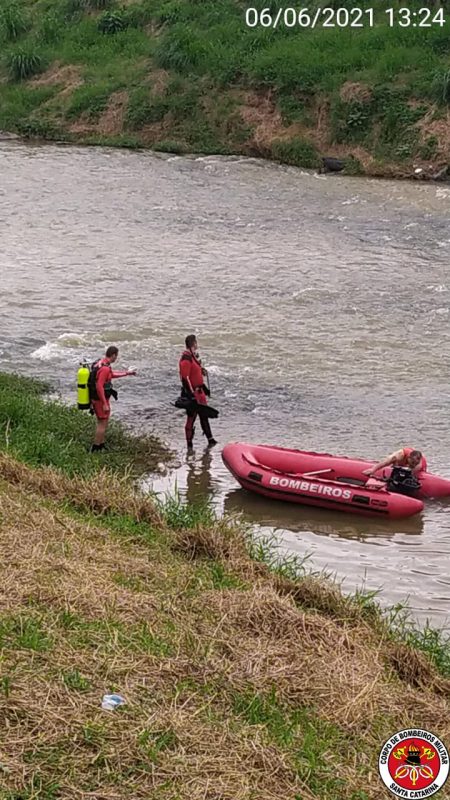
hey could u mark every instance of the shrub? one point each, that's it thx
(351, 121)
(112, 22)
(23, 64)
(298, 152)
(12, 22)
(404, 150)
(353, 166)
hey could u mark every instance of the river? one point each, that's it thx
(321, 305)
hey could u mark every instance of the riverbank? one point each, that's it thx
(243, 676)
(184, 78)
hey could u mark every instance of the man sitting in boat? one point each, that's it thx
(406, 457)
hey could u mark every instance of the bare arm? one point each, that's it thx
(386, 463)
(122, 374)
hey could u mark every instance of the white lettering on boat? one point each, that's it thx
(312, 488)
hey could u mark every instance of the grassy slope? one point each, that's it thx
(190, 76)
(241, 681)
(42, 433)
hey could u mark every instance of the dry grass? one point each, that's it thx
(111, 121)
(218, 541)
(355, 92)
(67, 76)
(268, 689)
(106, 493)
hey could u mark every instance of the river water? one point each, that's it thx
(321, 306)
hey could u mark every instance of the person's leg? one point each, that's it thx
(100, 431)
(189, 428)
(102, 424)
(206, 427)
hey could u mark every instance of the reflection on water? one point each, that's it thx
(297, 518)
(321, 307)
(199, 481)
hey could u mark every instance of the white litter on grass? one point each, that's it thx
(112, 701)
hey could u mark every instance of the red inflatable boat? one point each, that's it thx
(319, 479)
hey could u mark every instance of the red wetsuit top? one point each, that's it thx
(422, 466)
(191, 368)
(104, 375)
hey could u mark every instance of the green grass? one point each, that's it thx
(108, 635)
(208, 50)
(23, 633)
(266, 550)
(90, 100)
(19, 103)
(180, 515)
(75, 681)
(432, 641)
(303, 733)
(38, 787)
(297, 152)
(153, 742)
(42, 432)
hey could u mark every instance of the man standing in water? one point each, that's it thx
(191, 376)
(406, 457)
(101, 390)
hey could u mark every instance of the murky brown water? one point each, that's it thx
(321, 306)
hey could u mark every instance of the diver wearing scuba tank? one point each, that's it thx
(101, 390)
(83, 398)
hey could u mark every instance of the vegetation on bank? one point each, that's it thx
(42, 432)
(189, 76)
(245, 678)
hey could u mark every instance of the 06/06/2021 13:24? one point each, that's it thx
(327, 17)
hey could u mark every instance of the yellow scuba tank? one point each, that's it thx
(82, 386)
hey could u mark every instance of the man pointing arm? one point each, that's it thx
(104, 374)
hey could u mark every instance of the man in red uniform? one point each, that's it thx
(406, 457)
(100, 404)
(191, 376)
